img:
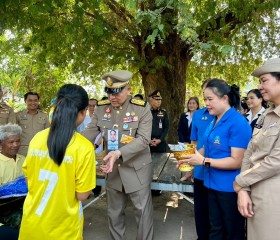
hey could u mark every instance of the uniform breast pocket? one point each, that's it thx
(257, 134)
(130, 129)
(4, 116)
(269, 137)
(24, 123)
(40, 124)
(256, 131)
(104, 127)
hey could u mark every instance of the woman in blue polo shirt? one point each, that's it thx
(224, 143)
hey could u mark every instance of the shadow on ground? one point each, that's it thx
(173, 219)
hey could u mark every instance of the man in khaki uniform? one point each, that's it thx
(7, 114)
(31, 120)
(128, 162)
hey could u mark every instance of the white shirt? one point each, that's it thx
(188, 116)
(249, 115)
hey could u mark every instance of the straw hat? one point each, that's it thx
(271, 65)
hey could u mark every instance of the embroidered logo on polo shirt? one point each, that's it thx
(217, 140)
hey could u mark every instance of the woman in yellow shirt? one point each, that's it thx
(60, 170)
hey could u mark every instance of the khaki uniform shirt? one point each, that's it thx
(260, 174)
(9, 168)
(133, 171)
(262, 158)
(7, 114)
(30, 124)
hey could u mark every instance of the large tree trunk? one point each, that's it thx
(170, 78)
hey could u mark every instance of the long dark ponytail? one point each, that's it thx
(221, 88)
(71, 99)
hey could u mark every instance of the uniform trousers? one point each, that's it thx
(226, 223)
(143, 207)
(8, 233)
(201, 210)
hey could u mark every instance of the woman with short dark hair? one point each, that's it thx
(60, 170)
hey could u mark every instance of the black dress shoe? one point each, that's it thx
(96, 191)
(156, 192)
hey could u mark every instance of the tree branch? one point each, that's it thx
(215, 24)
(230, 20)
(113, 27)
(120, 11)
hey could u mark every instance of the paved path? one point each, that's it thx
(173, 219)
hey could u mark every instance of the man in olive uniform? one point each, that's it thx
(129, 166)
(160, 123)
(31, 120)
(7, 114)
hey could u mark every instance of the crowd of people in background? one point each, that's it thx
(236, 162)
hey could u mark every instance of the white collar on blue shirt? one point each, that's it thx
(249, 115)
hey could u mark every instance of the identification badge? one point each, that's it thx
(160, 124)
(113, 142)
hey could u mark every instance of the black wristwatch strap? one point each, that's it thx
(207, 164)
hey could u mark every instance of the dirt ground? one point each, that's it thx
(173, 219)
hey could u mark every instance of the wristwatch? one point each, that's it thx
(207, 163)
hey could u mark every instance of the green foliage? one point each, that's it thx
(21, 72)
(232, 73)
(66, 40)
(82, 32)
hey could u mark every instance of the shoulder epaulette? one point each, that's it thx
(163, 109)
(42, 111)
(103, 102)
(21, 112)
(138, 102)
(5, 104)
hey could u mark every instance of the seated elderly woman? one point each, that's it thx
(10, 168)
(10, 161)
